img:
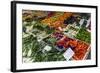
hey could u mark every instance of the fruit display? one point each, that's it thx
(55, 36)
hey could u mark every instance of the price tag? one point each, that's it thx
(68, 54)
(47, 48)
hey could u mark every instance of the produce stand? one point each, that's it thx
(47, 35)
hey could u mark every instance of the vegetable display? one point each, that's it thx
(47, 35)
(84, 35)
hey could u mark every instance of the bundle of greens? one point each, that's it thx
(84, 35)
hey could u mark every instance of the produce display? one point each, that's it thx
(84, 35)
(55, 36)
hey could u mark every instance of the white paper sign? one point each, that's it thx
(47, 48)
(68, 54)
